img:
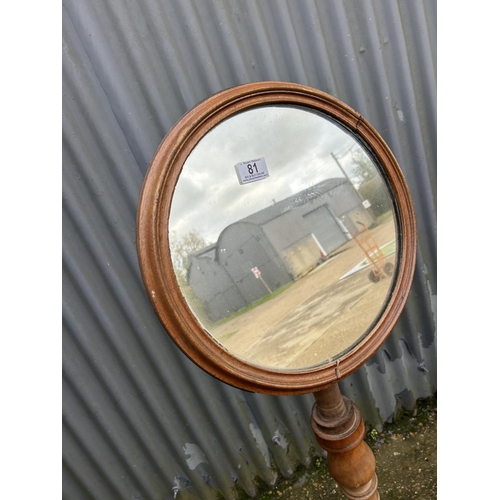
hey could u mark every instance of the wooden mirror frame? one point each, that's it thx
(154, 249)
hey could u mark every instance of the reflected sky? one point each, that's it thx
(296, 144)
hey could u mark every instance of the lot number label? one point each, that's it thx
(251, 170)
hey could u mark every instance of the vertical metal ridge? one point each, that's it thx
(114, 426)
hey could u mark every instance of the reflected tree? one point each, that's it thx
(181, 247)
(371, 186)
(362, 166)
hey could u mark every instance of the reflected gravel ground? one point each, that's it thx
(406, 457)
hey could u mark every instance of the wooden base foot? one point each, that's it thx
(340, 430)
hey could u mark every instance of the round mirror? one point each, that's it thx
(276, 237)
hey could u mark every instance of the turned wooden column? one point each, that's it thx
(340, 430)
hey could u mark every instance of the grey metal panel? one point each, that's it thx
(139, 418)
(293, 202)
(325, 228)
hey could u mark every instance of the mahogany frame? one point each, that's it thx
(154, 249)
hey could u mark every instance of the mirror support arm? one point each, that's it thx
(340, 430)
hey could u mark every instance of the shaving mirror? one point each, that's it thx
(276, 237)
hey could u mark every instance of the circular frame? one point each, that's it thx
(154, 249)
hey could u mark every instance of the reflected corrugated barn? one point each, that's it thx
(283, 241)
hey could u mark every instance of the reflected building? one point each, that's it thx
(276, 246)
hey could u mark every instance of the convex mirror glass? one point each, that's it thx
(283, 237)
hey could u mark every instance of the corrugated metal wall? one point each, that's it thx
(140, 421)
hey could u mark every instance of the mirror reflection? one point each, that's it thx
(283, 237)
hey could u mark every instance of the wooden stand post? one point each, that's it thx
(340, 430)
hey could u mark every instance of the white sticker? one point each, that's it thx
(251, 170)
(256, 271)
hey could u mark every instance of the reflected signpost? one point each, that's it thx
(337, 259)
(258, 275)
